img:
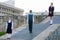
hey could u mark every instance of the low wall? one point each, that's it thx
(16, 22)
(49, 34)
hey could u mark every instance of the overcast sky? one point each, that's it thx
(36, 5)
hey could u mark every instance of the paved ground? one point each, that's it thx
(37, 29)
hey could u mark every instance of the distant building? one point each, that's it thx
(10, 2)
(7, 10)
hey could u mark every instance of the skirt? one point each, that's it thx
(50, 14)
(9, 31)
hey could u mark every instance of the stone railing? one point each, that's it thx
(51, 33)
(16, 23)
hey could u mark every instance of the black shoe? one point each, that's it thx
(50, 24)
(8, 38)
(30, 32)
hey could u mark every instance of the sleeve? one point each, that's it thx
(6, 27)
(49, 9)
(27, 17)
(33, 18)
(53, 8)
(12, 24)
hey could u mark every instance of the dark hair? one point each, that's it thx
(51, 3)
(30, 11)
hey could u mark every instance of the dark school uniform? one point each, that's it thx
(51, 11)
(30, 22)
(9, 27)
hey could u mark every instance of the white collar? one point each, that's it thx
(9, 21)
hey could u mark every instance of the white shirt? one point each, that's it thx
(9, 21)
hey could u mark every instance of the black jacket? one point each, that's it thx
(51, 9)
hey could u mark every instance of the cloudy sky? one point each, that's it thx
(36, 5)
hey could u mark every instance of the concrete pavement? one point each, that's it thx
(37, 29)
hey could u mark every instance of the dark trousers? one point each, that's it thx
(30, 25)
